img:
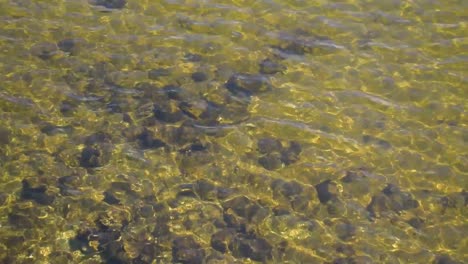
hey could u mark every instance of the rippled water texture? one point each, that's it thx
(233, 131)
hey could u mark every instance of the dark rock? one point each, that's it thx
(111, 4)
(257, 249)
(416, 222)
(67, 107)
(353, 260)
(37, 194)
(345, 249)
(326, 191)
(110, 198)
(391, 199)
(269, 145)
(205, 190)
(220, 240)
(65, 185)
(345, 230)
(155, 74)
(268, 66)
(44, 50)
(90, 157)
(199, 77)
(148, 141)
(445, 259)
(52, 130)
(71, 45)
(287, 189)
(168, 112)
(247, 84)
(271, 161)
(223, 193)
(455, 200)
(187, 251)
(5, 136)
(193, 57)
(3, 198)
(97, 138)
(113, 252)
(185, 133)
(173, 92)
(240, 205)
(291, 154)
(127, 118)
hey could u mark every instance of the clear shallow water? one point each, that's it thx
(344, 140)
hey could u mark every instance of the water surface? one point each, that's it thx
(233, 131)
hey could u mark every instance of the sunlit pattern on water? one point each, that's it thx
(233, 131)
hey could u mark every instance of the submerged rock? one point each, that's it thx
(155, 74)
(147, 140)
(268, 66)
(326, 191)
(111, 4)
(391, 199)
(71, 45)
(271, 161)
(44, 50)
(168, 111)
(269, 145)
(199, 77)
(243, 84)
(257, 249)
(37, 194)
(187, 251)
(291, 154)
(221, 239)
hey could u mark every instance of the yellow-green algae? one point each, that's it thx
(372, 87)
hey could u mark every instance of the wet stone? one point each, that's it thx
(291, 154)
(155, 74)
(391, 199)
(239, 204)
(97, 138)
(52, 130)
(445, 259)
(3, 198)
(220, 240)
(110, 198)
(193, 57)
(268, 66)
(111, 4)
(199, 77)
(326, 190)
(67, 108)
(71, 45)
(66, 185)
(257, 249)
(247, 84)
(287, 189)
(455, 200)
(205, 190)
(269, 145)
(345, 231)
(416, 222)
(5, 136)
(113, 252)
(173, 92)
(148, 141)
(90, 157)
(271, 161)
(44, 50)
(187, 251)
(37, 194)
(167, 112)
